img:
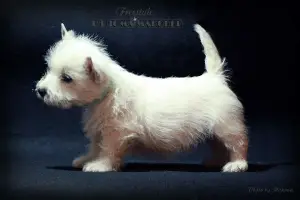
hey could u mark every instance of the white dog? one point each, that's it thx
(130, 113)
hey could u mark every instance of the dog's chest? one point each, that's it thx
(97, 117)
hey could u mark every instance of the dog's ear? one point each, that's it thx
(66, 34)
(90, 70)
(63, 30)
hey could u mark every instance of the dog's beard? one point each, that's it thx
(60, 103)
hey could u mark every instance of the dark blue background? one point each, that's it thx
(259, 43)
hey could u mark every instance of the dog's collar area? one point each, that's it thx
(103, 94)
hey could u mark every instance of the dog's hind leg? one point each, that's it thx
(219, 153)
(230, 146)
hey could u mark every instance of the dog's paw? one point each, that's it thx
(97, 166)
(236, 166)
(80, 161)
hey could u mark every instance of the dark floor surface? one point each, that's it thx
(42, 165)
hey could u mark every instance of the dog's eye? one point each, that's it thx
(66, 78)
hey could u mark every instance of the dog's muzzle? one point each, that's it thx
(41, 92)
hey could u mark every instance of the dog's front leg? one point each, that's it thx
(110, 156)
(92, 153)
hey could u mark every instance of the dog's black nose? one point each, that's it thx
(42, 92)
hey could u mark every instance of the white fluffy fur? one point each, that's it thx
(158, 110)
(236, 166)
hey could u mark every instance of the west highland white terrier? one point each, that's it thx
(128, 113)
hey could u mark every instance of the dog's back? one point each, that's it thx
(183, 111)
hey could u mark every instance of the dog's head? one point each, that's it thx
(71, 77)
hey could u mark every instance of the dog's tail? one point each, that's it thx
(213, 61)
